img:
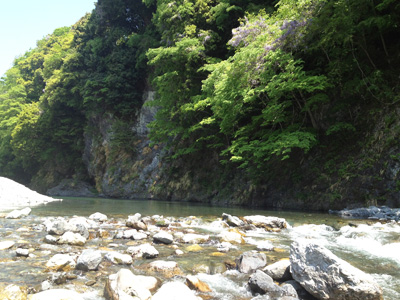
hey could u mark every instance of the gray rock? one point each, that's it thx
(250, 261)
(261, 283)
(232, 220)
(138, 225)
(18, 214)
(59, 278)
(143, 251)
(279, 271)
(326, 276)
(56, 227)
(301, 292)
(163, 237)
(50, 239)
(79, 225)
(89, 260)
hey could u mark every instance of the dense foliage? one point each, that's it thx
(255, 82)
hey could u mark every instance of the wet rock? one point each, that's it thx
(326, 276)
(56, 294)
(261, 283)
(193, 238)
(250, 261)
(61, 262)
(268, 223)
(13, 292)
(118, 258)
(18, 214)
(196, 284)
(372, 212)
(125, 285)
(163, 238)
(89, 260)
(232, 220)
(71, 238)
(175, 291)
(22, 252)
(6, 245)
(167, 268)
(231, 237)
(99, 217)
(279, 271)
(143, 251)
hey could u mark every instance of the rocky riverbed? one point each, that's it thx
(157, 257)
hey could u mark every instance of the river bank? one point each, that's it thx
(171, 249)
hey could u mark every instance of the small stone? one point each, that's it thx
(50, 239)
(279, 271)
(178, 252)
(143, 251)
(250, 261)
(61, 262)
(17, 214)
(192, 238)
(167, 268)
(89, 260)
(118, 258)
(72, 239)
(59, 278)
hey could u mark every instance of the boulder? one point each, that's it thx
(163, 237)
(196, 284)
(261, 283)
(89, 260)
(143, 251)
(301, 292)
(56, 227)
(118, 258)
(71, 238)
(124, 285)
(279, 271)
(18, 214)
(99, 217)
(79, 225)
(192, 238)
(268, 223)
(61, 262)
(175, 291)
(250, 261)
(56, 294)
(13, 292)
(326, 276)
(232, 220)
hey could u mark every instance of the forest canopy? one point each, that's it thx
(254, 82)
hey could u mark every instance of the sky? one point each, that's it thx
(24, 22)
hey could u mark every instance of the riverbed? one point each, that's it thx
(368, 245)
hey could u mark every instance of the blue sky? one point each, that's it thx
(23, 22)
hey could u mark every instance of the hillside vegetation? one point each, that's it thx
(285, 103)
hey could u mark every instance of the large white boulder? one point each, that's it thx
(326, 276)
(175, 291)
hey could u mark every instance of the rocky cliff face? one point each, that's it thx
(122, 164)
(119, 157)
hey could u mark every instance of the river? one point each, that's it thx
(370, 246)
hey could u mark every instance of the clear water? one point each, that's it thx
(370, 246)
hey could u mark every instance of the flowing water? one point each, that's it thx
(370, 246)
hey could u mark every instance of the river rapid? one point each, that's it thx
(371, 246)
